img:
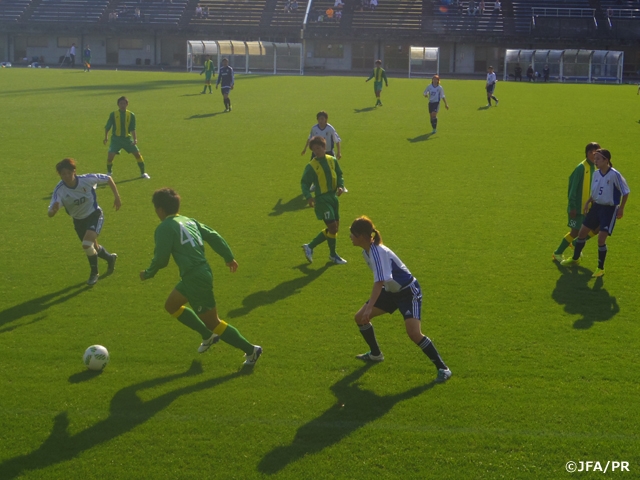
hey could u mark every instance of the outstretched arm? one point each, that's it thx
(116, 196)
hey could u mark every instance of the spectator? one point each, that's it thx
(530, 73)
(294, 6)
(205, 12)
(329, 13)
(136, 14)
(72, 55)
(545, 73)
(471, 8)
(287, 7)
(198, 11)
(338, 15)
(518, 73)
(497, 6)
(481, 7)
(338, 4)
(373, 4)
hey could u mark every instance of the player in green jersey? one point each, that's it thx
(208, 73)
(579, 193)
(184, 238)
(324, 172)
(122, 124)
(378, 75)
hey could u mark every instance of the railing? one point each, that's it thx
(623, 13)
(563, 12)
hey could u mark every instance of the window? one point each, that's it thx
(37, 41)
(65, 42)
(329, 50)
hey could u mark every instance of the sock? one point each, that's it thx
(141, 164)
(229, 102)
(434, 123)
(109, 167)
(331, 240)
(103, 254)
(230, 334)
(489, 100)
(602, 254)
(93, 263)
(579, 244)
(369, 336)
(209, 88)
(321, 237)
(204, 89)
(496, 100)
(188, 317)
(566, 241)
(429, 349)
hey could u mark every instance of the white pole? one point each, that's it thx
(438, 61)
(275, 59)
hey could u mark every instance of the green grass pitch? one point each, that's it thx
(544, 359)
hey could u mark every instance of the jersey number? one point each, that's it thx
(600, 192)
(186, 237)
(79, 201)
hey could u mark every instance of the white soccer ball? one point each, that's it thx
(96, 357)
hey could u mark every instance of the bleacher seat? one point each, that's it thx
(454, 20)
(11, 10)
(282, 18)
(153, 12)
(522, 10)
(238, 13)
(390, 14)
(69, 11)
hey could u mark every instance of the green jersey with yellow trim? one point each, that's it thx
(123, 126)
(325, 173)
(183, 238)
(378, 75)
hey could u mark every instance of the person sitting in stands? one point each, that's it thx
(329, 13)
(497, 6)
(198, 11)
(373, 4)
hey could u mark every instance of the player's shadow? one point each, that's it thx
(279, 292)
(363, 110)
(296, 203)
(205, 115)
(353, 409)
(593, 304)
(421, 138)
(37, 305)
(484, 107)
(126, 412)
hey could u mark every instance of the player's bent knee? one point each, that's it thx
(88, 247)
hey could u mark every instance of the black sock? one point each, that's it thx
(434, 123)
(370, 337)
(93, 263)
(579, 245)
(602, 254)
(489, 100)
(426, 345)
(109, 167)
(496, 100)
(103, 254)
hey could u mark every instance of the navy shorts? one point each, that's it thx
(490, 89)
(225, 90)
(92, 222)
(408, 301)
(434, 107)
(603, 216)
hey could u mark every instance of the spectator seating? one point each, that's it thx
(621, 9)
(69, 11)
(152, 12)
(522, 10)
(236, 13)
(283, 19)
(319, 8)
(11, 10)
(390, 14)
(454, 20)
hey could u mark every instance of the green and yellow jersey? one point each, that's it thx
(208, 67)
(580, 186)
(123, 126)
(378, 75)
(325, 173)
(183, 238)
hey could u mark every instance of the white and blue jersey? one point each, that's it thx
(388, 268)
(225, 77)
(435, 93)
(608, 189)
(79, 201)
(328, 133)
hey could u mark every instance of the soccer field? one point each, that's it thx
(544, 358)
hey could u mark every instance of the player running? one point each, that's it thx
(609, 193)
(491, 86)
(122, 124)
(184, 238)
(435, 93)
(86, 58)
(226, 79)
(378, 75)
(77, 194)
(208, 73)
(394, 288)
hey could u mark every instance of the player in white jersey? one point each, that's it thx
(435, 93)
(77, 194)
(491, 86)
(609, 193)
(394, 288)
(325, 130)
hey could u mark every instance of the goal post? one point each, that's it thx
(424, 61)
(248, 57)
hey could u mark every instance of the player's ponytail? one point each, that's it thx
(363, 226)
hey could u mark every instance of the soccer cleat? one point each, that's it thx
(229, 107)
(212, 340)
(344, 190)
(497, 101)
(93, 279)
(557, 257)
(111, 263)
(488, 104)
(368, 357)
(337, 259)
(444, 374)
(308, 252)
(433, 131)
(598, 273)
(145, 175)
(569, 262)
(253, 358)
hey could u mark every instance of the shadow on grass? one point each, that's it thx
(296, 203)
(363, 110)
(126, 412)
(594, 304)
(38, 305)
(279, 292)
(205, 115)
(486, 107)
(353, 409)
(421, 138)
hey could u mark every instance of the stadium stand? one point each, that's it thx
(287, 18)
(158, 12)
(628, 9)
(318, 14)
(400, 15)
(524, 13)
(12, 10)
(87, 11)
(449, 19)
(222, 13)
